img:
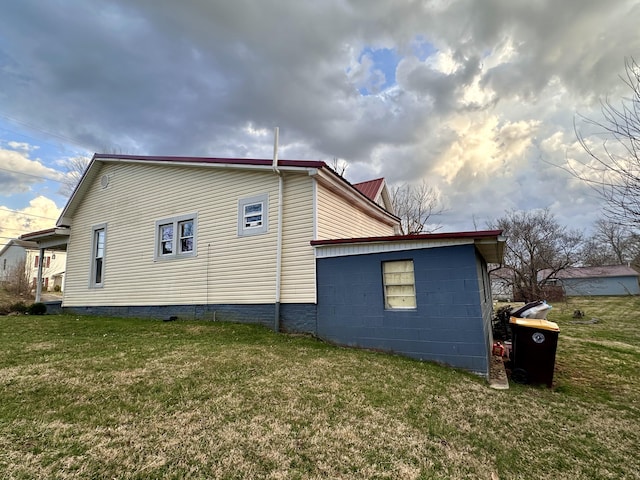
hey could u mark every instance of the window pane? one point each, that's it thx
(253, 208)
(186, 229)
(98, 271)
(99, 243)
(186, 236)
(400, 290)
(166, 239)
(253, 215)
(399, 278)
(166, 232)
(400, 266)
(186, 245)
(401, 302)
(253, 221)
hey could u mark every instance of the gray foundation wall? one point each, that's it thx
(299, 318)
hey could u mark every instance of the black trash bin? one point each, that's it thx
(533, 355)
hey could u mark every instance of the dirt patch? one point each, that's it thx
(497, 374)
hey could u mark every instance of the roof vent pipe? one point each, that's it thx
(276, 134)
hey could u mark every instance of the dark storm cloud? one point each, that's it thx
(210, 77)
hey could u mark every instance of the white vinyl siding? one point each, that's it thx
(337, 218)
(399, 285)
(298, 259)
(227, 268)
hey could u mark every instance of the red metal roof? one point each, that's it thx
(404, 238)
(371, 188)
(213, 160)
(25, 236)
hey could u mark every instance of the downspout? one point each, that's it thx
(39, 281)
(276, 325)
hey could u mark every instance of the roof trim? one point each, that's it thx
(211, 160)
(490, 244)
(403, 238)
(55, 238)
(18, 242)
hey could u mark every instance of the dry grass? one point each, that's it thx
(110, 398)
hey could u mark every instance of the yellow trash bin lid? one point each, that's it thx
(535, 323)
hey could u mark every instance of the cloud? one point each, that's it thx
(22, 146)
(19, 173)
(41, 214)
(480, 87)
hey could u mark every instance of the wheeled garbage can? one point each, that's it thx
(533, 356)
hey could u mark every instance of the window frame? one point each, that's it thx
(176, 239)
(386, 285)
(245, 231)
(94, 255)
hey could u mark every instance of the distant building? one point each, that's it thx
(502, 284)
(16, 251)
(593, 281)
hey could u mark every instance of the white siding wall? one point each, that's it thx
(56, 265)
(337, 218)
(227, 268)
(13, 255)
(16, 253)
(298, 258)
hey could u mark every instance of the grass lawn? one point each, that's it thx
(93, 397)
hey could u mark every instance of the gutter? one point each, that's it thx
(276, 320)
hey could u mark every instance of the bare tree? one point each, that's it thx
(536, 242)
(339, 166)
(18, 278)
(415, 205)
(610, 244)
(74, 169)
(614, 170)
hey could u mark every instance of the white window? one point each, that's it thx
(176, 237)
(98, 256)
(253, 214)
(399, 285)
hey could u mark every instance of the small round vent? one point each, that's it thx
(104, 181)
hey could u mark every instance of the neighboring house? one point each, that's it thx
(502, 284)
(593, 281)
(377, 191)
(242, 240)
(17, 251)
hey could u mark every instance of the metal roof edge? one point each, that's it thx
(480, 234)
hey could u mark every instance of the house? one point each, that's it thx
(502, 284)
(243, 240)
(26, 256)
(593, 281)
(166, 236)
(377, 191)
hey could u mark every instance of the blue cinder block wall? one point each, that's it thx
(448, 325)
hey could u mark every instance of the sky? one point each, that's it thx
(479, 99)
